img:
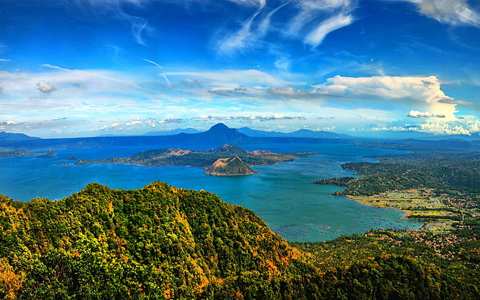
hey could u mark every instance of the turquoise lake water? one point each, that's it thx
(283, 194)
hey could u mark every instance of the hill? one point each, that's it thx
(6, 137)
(229, 167)
(162, 242)
(6, 152)
(302, 133)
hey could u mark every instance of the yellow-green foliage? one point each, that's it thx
(161, 242)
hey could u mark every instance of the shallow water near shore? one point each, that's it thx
(283, 195)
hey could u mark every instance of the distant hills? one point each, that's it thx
(6, 137)
(221, 134)
(173, 132)
(217, 135)
(302, 133)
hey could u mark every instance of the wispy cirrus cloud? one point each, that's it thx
(116, 9)
(316, 19)
(250, 32)
(311, 22)
(316, 37)
(161, 74)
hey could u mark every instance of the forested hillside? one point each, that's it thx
(161, 242)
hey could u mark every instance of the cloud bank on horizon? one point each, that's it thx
(362, 67)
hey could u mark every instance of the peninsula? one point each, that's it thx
(227, 160)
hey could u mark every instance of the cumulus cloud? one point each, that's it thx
(150, 122)
(419, 114)
(424, 92)
(453, 12)
(465, 126)
(171, 121)
(450, 129)
(134, 123)
(45, 87)
(240, 90)
(246, 118)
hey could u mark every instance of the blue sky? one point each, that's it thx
(97, 67)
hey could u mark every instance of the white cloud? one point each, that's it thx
(466, 126)
(4, 59)
(449, 129)
(247, 118)
(419, 114)
(252, 30)
(134, 123)
(424, 92)
(45, 87)
(453, 12)
(161, 74)
(312, 20)
(316, 19)
(240, 90)
(242, 37)
(316, 37)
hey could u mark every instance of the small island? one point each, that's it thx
(230, 167)
(6, 152)
(49, 154)
(227, 160)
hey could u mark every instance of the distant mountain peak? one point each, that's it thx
(221, 133)
(219, 126)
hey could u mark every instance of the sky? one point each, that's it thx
(77, 68)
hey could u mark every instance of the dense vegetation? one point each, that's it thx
(444, 172)
(446, 184)
(162, 242)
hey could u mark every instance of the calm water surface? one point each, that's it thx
(283, 195)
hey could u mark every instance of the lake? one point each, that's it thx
(283, 195)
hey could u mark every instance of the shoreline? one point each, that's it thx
(434, 218)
